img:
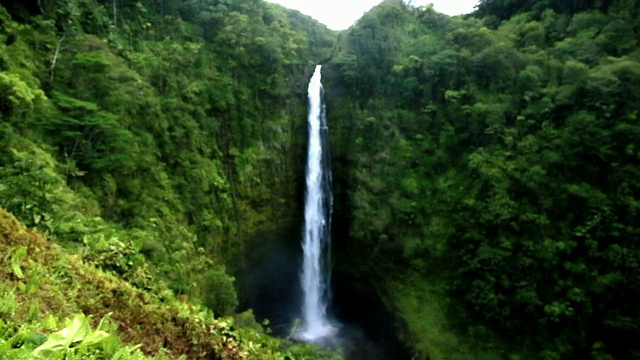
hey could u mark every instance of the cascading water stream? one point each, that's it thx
(317, 222)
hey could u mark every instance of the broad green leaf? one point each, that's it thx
(61, 340)
(94, 338)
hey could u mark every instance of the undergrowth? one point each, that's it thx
(53, 305)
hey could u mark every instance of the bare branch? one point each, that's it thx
(55, 58)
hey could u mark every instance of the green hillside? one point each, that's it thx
(486, 174)
(150, 141)
(171, 130)
(42, 285)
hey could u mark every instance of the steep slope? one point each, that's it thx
(154, 143)
(487, 177)
(42, 284)
(174, 127)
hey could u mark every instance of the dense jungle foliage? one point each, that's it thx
(153, 140)
(165, 130)
(486, 170)
(45, 293)
(487, 175)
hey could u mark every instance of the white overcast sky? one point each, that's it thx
(340, 14)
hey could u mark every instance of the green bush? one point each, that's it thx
(220, 295)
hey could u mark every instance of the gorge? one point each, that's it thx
(484, 172)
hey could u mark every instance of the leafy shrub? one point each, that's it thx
(220, 295)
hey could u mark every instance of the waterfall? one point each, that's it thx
(317, 221)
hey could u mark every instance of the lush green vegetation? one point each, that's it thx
(154, 132)
(41, 285)
(487, 175)
(152, 140)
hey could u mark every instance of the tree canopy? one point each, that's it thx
(487, 170)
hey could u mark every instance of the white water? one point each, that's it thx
(317, 212)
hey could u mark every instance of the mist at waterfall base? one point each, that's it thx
(290, 284)
(270, 286)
